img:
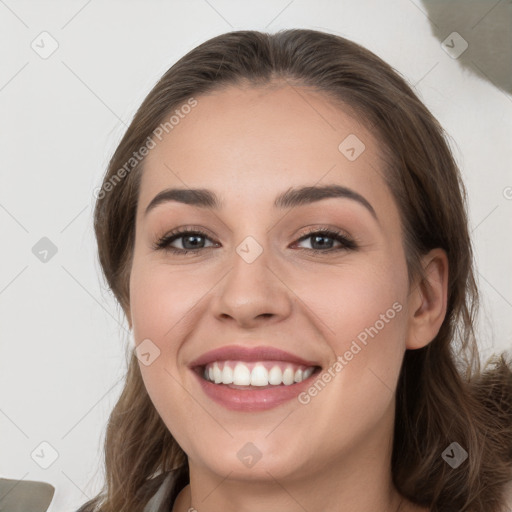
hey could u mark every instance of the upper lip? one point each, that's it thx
(249, 354)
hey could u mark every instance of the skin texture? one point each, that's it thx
(248, 145)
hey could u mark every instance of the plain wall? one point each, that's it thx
(63, 337)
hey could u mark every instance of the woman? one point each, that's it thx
(285, 228)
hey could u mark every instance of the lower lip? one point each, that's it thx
(253, 399)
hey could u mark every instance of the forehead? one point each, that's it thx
(258, 141)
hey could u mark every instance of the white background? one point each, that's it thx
(63, 338)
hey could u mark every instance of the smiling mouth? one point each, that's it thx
(256, 374)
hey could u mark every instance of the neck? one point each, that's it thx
(277, 496)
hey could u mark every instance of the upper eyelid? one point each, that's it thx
(179, 232)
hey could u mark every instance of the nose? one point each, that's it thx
(252, 293)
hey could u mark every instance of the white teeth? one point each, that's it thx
(241, 375)
(307, 373)
(275, 376)
(259, 376)
(288, 376)
(227, 375)
(217, 374)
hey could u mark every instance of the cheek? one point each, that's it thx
(361, 311)
(349, 299)
(161, 299)
(160, 305)
(364, 321)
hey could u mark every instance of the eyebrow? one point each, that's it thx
(293, 197)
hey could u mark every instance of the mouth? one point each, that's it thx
(253, 379)
(255, 375)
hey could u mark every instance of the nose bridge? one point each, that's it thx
(251, 288)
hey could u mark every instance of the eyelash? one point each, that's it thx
(163, 243)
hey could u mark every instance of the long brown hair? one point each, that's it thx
(443, 394)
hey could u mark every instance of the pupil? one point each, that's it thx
(191, 237)
(321, 237)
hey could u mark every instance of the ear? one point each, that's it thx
(428, 300)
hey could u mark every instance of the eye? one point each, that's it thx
(318, 237)
(193, 240)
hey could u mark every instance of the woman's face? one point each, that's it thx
(255, 280)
